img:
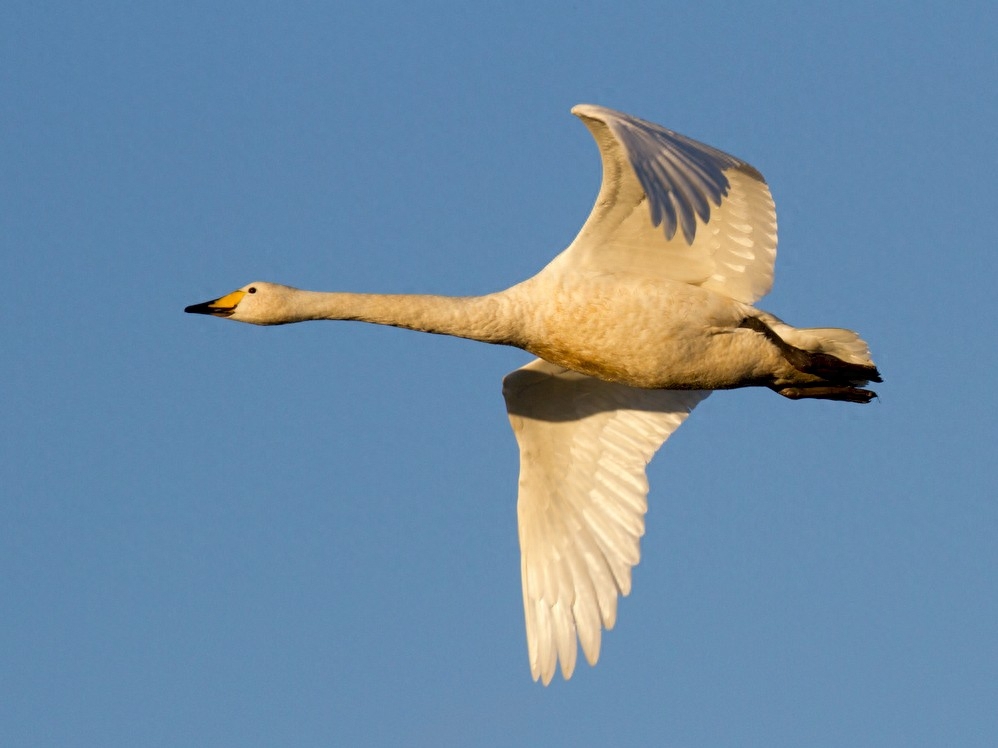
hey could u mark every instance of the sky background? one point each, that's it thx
(214, 534)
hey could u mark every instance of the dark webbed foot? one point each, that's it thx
(836, 372)
(827, 392)
(835, 369)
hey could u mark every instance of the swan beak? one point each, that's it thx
(223, 307)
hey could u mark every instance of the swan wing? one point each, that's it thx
(672, 207)
(584, 444)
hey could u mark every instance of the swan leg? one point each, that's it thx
(821, 391)
(835, 369)
(838, 376)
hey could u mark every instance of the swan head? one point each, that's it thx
(258, 303)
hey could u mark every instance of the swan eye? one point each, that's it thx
(251, 289)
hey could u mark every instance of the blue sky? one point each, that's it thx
(220, 535)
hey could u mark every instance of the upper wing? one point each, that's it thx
(584, 444)
(709, 219)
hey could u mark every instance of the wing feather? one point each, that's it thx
(709, 219)
(584, 444)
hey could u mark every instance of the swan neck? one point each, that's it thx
(484, 318)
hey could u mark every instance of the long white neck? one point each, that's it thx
(490, 318)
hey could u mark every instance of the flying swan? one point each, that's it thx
(646, 312)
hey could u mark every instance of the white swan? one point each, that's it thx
(645, 313)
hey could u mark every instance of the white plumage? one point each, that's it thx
(584, 445)
(646, 312)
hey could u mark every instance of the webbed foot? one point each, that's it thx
(827, 392)
(832, 369)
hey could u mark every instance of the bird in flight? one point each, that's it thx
(645, 313)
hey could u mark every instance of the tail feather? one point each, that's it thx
(835, 341)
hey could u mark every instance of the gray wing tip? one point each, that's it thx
(598, 113)
(587, 110)
(679, 175)
(750, 171)
(602, 114)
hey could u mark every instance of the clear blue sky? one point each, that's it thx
(219, 535)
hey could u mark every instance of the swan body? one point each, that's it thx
(638, 320)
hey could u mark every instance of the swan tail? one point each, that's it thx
(835, 341)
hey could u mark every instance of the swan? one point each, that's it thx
(646, 312)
